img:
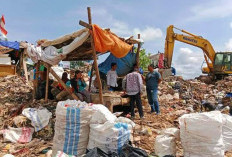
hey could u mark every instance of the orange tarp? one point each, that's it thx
(106, 41)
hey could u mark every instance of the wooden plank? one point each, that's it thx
(138, 50)
(95, 59)
(91, 75)
(63, 84)
(36, 78)
(25, 68)
(47, 83)
(84, 24)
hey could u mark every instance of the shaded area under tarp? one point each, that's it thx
(10, 44)
(125, 64)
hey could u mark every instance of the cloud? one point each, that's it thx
(230, 24)
(149, 33)
(188, 63)
(229, 45)
(211, 10)
(122, 28)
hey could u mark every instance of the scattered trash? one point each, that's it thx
(39, 117)
(18, 135)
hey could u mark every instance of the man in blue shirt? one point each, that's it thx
(153, 78)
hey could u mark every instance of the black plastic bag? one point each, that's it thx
(129, 151)
(97, 152)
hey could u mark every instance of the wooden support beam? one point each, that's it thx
(138, 50)
(36, 78)
(47, 83)
(63, 84)
(84, 24)
(91, 75)
(25, 68)
(95, 59)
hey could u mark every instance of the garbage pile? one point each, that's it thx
(29, 127)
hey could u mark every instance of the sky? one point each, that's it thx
(30, 20)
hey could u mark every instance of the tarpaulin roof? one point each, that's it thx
(10, 44)
(77, 46)
(124, 65)
(105, 40)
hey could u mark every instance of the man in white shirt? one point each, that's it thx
(112, 78)
(133, 86)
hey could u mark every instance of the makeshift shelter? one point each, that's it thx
(85, 44)
(11, 58)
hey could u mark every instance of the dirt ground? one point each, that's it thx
(17, 95)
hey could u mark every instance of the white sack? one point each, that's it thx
(175, 132)
(101, 115)
(110, 137)
(39, 117)
(165, 145)
(72, 127)
(227, 132)
(201, 134)
(62, 154)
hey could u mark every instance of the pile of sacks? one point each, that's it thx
(80, 126)
(201, 134)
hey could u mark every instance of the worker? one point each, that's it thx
(78, 84)
(42, 86)
(133, 87)
(112, 78)
(153, 78)
(173, 71)
(59, 92)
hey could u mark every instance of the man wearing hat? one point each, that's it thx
(153, 78)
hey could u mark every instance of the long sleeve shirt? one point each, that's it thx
(112, 78)
(134, 83)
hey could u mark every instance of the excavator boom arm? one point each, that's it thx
(190, 39)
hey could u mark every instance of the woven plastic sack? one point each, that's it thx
(227, 132)
(18, 135)
(39, 117)
(72, 127)
(201, 134)
(110, 136)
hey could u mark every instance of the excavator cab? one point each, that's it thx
(223, 63)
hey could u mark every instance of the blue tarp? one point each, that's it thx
(10, 44)
(125, 64)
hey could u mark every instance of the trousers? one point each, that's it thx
(136, 98)
(152, 96)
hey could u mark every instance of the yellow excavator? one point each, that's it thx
(218, 64)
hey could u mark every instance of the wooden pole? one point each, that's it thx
(138, 50)
(25, 68)
(63, 84)
(91, 75)
(47, 83)
(95, 59)
(36, 78)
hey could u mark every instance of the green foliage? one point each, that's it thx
(144, 60)
(76, 64)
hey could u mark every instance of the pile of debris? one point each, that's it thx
(176, 96)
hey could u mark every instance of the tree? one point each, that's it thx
(76, 64)
(144, 60)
